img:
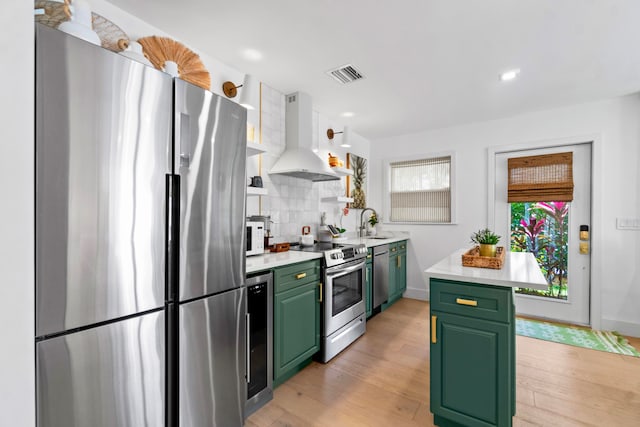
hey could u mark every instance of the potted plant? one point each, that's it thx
(373, 220)
(487, 240)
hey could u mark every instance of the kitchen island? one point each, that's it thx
(473, 338)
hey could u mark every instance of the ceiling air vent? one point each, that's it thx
(346, 74)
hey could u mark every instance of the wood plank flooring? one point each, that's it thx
(383, 380)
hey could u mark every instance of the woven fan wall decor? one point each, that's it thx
(158, 50)
(110, 34)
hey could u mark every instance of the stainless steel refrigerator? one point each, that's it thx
(140, 206)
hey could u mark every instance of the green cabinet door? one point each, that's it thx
(401, 275)
(471, 372)
(397, 272)
(296, 330)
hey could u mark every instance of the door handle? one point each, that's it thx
(398, 262)
(320, 284)
(470, 302)
(248, 351)
(433, 329)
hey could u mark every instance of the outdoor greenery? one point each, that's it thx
(485, 237)
(542, 229)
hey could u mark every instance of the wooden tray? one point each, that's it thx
(472, 258)
(280, 247)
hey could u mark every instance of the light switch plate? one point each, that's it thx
(628, 223)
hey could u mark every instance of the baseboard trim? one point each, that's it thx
(625, 328)
(413, 293)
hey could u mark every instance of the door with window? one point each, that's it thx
(542, 209)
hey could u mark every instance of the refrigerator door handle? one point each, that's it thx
(184, 138)
(172, 230)
(248, 347)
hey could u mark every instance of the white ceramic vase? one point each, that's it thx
(80, 23)
(134, 51)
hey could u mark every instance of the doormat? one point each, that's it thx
(576, 336)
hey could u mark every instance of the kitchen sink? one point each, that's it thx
(382, 236)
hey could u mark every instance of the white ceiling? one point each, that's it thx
(428, 63)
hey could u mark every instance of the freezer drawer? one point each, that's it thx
(103, 135)
(108, 376)
(212, 335)
(210, 159)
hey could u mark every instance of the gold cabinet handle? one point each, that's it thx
(470, 302)
(320, 284)
(393, 249)
(368, 256)
(301, 275)
(398, 262)
(433, 329)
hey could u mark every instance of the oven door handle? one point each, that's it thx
(345, 270)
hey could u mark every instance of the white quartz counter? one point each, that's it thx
(277, 259)
(384, 238)
(520, 270)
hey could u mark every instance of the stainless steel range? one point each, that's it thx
(343, 273)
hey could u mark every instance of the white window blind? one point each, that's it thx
(421, 190)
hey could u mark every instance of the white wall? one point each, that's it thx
(616, 188)
(17, 376)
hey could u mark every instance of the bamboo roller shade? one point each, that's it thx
(547, 177)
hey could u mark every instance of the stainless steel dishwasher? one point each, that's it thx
(380, 275)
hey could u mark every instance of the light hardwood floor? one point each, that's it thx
(383, 380)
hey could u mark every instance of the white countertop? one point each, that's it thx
(520, 270)
(278, 259)
(390, 237)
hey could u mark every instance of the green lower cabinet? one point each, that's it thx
(397, 272)
(296, 329)
(472, 355)
(401, 273)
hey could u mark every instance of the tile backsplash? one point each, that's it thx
(293, 202)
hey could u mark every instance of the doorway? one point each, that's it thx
(551, 231)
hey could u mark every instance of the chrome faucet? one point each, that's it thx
(362, 228)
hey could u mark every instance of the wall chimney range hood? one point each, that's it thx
(298, 159)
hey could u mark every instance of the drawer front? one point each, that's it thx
(402, 246)
(393, 248)
(295, 275)
(474, 300)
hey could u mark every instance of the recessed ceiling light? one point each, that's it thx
(509, 75)
(348, 114)
(252, 55)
